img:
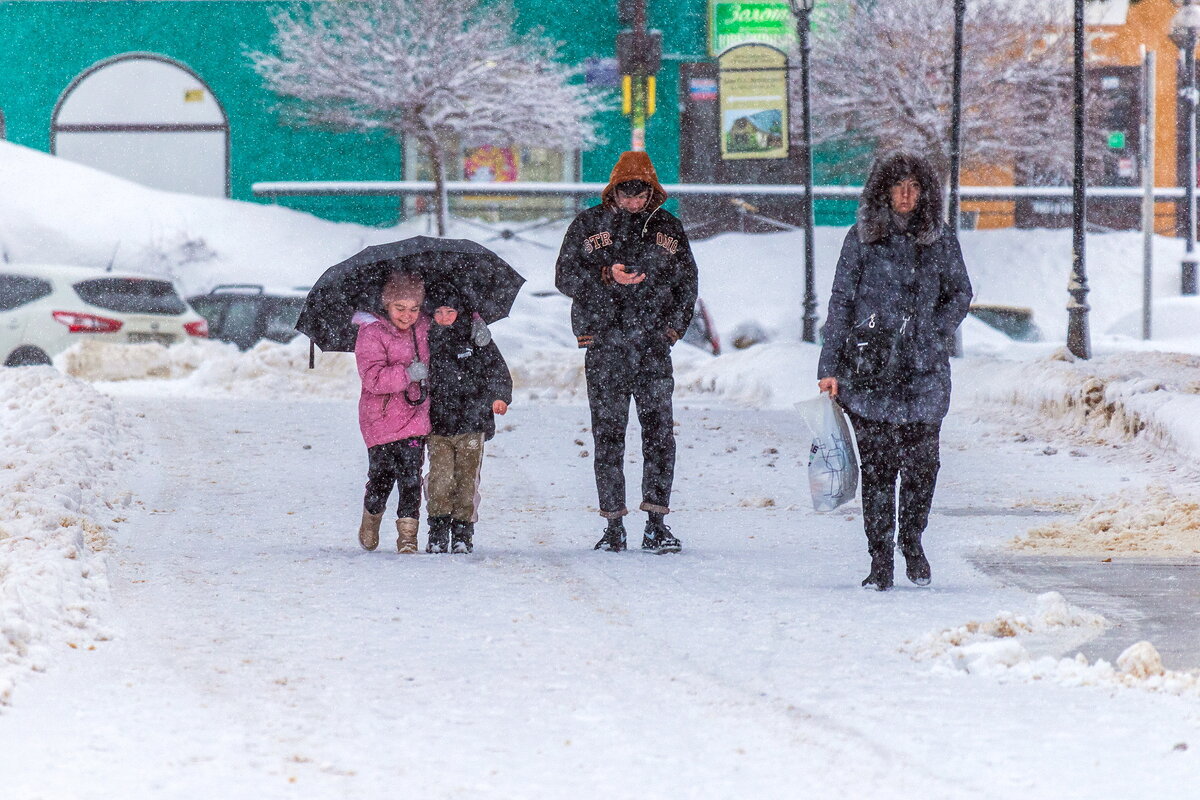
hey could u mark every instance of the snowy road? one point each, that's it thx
(260, 653)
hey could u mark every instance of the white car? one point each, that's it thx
(45, 308)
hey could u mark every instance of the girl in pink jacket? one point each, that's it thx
(393, 410)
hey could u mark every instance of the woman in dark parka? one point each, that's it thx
(901, 273)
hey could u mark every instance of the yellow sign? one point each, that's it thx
(193, 96)
(753, 89)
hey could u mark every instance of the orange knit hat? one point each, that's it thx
(634, 165)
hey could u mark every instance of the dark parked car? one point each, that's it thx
(245, 314)
(1014, 322)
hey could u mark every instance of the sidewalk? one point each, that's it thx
(1151, 599)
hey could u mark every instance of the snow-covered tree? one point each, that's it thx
(881, 74)
(442, 74)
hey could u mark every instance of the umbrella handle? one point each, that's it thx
(312, 354)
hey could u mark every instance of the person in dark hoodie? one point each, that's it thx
(899, 294)
(469, 382)
(628, 268)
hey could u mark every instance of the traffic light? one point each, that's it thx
(639, 52)
(628, 12)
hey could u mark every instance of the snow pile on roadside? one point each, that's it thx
(50, 216)
(766, 376)
(1148, 396)
(61, 442)
(93, 360)
(268, 369)
(1000, 648)
(773, 375)
(1147, 521)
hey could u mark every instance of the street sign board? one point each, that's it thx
(765, 22)
(754, 103)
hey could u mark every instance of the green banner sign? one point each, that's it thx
(733, 23)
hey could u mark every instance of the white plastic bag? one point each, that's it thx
(832, 463)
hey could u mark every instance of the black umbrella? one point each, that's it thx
(485, 282)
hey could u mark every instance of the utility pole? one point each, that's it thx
(1078, 340)
(802, 11)
(1184, 25)
(960, 10)
(639, 56)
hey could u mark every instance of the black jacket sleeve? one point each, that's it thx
(579, 278)
(685, 285)
(954, 297)
(841, 306)
(569, 270)
(499, 379)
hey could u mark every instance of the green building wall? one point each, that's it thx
(48, 43)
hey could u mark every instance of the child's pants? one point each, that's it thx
(391, 464)
(454, 465)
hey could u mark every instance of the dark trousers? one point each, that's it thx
(615, 375)
(887, 452)
(395, 464)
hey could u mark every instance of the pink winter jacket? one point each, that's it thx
(383, 353)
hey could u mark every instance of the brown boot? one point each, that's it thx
(368, 530)
(406, 541)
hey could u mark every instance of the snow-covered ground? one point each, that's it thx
(185, 612)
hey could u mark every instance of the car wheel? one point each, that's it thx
(27, 357)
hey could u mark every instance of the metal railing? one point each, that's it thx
(532, 189)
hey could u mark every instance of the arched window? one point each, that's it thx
(147, 118)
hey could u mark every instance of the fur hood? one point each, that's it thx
(874, 215)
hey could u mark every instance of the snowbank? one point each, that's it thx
(204, 367)
(1001, 648)
(61, 443)
(49, 210)
(1149, 521)
(1150, 396)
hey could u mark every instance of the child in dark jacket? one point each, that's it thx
(468, 383)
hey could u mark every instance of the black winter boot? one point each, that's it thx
(916, 565)
(460, 537)
(658, 537)
(883, 565)
(439, 535)
(613, 539)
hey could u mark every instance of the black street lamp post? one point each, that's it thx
(960, 10)
(1078, 340)
(1184, 25)
(802, 9)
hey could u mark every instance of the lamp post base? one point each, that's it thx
(1187, 275)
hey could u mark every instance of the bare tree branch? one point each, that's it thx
(881, 75)
(442, 73)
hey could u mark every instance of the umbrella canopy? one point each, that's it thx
(485, 282)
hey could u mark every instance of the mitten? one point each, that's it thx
(417, 371)
(480, 334)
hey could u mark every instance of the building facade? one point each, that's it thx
(163, 92)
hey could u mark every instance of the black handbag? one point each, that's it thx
(872, 351)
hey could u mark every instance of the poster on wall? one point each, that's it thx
(490, 164)
(754, 103)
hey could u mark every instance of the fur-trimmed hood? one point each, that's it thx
(874, 217)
